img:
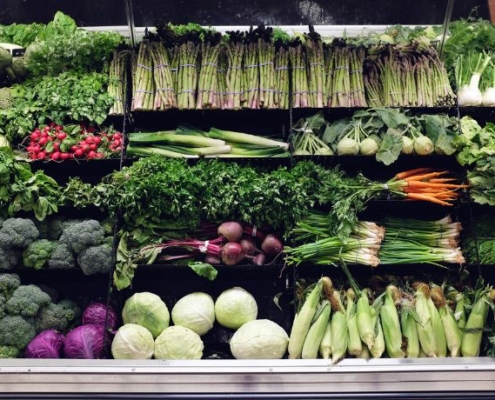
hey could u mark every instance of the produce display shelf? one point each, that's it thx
(421, 378)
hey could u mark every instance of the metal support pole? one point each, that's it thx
(130, 22)
(446, 22)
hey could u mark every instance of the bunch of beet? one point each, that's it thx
(246, 243)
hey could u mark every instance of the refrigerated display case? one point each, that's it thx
(217, 376)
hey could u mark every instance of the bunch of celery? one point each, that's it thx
(411, 241)
(191, 142)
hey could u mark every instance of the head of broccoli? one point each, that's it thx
(27, 301)
(18, 233)
(57, 316)
(8, 284)
(61, 257)
(96, 259)
(9, 259)
(37, 254)
(81, 235)
(16, 331)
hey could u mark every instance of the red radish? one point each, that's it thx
(64, 156)
(210, 259)
(248, 246)
(79, 152)
(61, 136)
(91, 154)
(230, 230)
(232, 253)
(55, 156)
(41, 155)
(272, 246)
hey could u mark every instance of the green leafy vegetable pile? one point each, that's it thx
(68, 96)
(24, 190)
(476, 147)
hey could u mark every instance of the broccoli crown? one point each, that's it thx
(37, 254)
(16, 331)
(79, 236)
(9, 352)
(8, 284)
(18, 232)
(57, 316)
(3, 305)
(96, 259)
(61, 257)
(71, 310)
(9, 259)
(27, 301)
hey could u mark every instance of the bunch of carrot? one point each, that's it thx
(425, 184)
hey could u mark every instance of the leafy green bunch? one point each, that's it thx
(70, 96)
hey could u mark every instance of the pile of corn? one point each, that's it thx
(418, 321)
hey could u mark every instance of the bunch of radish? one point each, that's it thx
(57, 143)
(246, 243)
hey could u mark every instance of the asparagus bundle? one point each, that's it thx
(165, 96)
(208, 74)
(234, 77)
(316, 69)
(266, 58)
(251, 72)
(297, 57)
(281, 75)
(407, 76)
(143, 86)
(117, 83)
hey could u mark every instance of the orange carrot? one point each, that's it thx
(442, 180)
(421, 177)
(436, 185)
(424, 197)
(410, 172)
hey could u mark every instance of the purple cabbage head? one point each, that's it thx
(85, 341)
(96, 313)
(47, 344)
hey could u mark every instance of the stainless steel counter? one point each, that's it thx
(235, 376)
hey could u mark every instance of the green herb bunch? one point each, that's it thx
(71, 95)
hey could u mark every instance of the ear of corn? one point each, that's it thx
(410, 332)
(460, 310)
(316, 332)
(438, 329)
(355, 345)
(302, 322)
(451, 330)
(473, 331)
(391, 324)
(425, 329)
(363, 314)
(378, 347)
(365, 353)
(326, 342)
(339, 328)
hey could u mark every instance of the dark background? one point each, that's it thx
(241, 12)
